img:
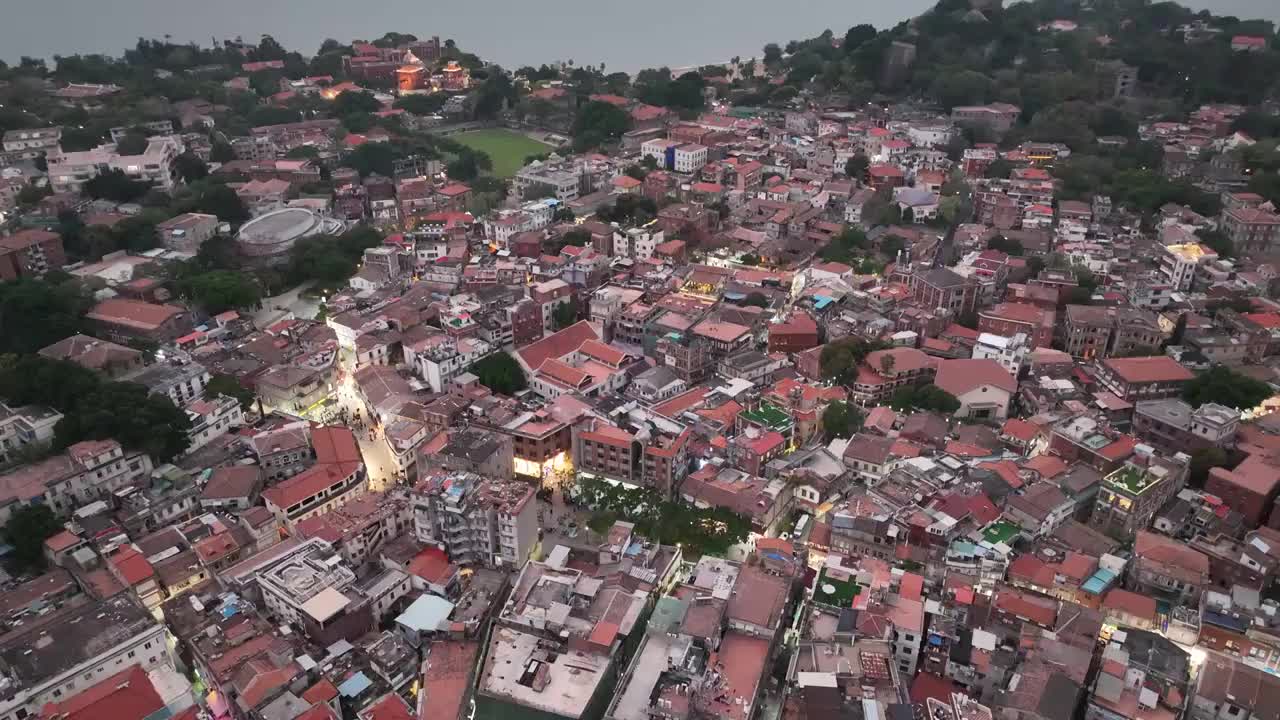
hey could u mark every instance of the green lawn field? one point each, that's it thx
(507, 149)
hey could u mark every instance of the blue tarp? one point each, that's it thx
(354, 685)
(821, 301)
(1099, 582)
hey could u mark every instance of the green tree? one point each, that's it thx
(839, 360)
(1224, 386)
(599, 122)
(190, 167)
(422, 104)
(1202, 461)
(36, 313)
(841, 420)
(133, 143)
(222, 201)
(500, 373)
(28, 527)
(221, 152)
(220, 384)
(353, 101)
(856, 166)
(564, 315)
(220, 290)
(130, 414)
(114, 185)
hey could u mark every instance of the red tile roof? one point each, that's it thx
(127, 695)
(433, 566)
(1142, 606)
(335, 444)
(557, 345)
(1156, 368)
(132, 566)
(961, 376)
(309, 482)
(133, 313)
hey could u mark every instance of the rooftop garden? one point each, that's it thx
(842, 591)
(768, 416)
(1129, 479)
(1000, 531)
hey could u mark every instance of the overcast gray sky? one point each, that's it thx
(624, 35)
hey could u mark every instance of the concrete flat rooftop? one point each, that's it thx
(570, 678)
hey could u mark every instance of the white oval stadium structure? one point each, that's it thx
(272, 234)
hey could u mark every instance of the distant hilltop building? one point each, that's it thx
(415, 76)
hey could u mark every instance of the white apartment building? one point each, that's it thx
(1178, 263)
(564, 179)
(476, 519)
(659, 149)
(87, 471)
(636, 243)
(689, 158)
(212, 419)
(1010, 352)
(181, 382)
(68, 172)
(31, 142)
(24, 426)
(440, 363)
(308, 579)
(77, 647)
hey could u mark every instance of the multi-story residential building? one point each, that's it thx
(1165, 669)
(30, 253)
(566, 181)
(1086, 334)
(1178, 263)
(283, 452)
(337, 477)
(74, 647)
(549, 296)
(361, 527)
(87, 471)
(653, 453)
(122, 319)
(1172, 425)
(637, 243)
(942, 288)
(1249, 488)
(477, 520)
(68, 172)
(1167, 568)
(1251, 229)
(212, 418)
(306, 584)
(689, 158)
(181, 382)
(1009, 319)
(25, 427)
(1131, 495)
(1230, 689)
(883, 372)
(438, 358)
(541, 438)
(187, 232)
(30, 143)
(1143, 378)
(997, 117)
(1010, 352)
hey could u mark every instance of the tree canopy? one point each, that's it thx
(839, 360)
(36, 313)
(28, 527)
(94, 409)
(500, 373)
(841, 420)
(1224, 386)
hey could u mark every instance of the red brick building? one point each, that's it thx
(1143, 378)
(1249, 489)
(30, 253)
(1008, 319)
(798, 333)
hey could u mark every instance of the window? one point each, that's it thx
(132, 653)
